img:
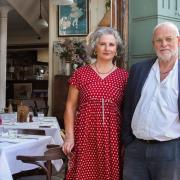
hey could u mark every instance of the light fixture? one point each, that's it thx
(62, 2)
(41, 23)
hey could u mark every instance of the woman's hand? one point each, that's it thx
(68, 146)
(69, 118)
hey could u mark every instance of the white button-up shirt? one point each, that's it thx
(156, 115)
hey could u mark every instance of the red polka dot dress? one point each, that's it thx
(96, 153)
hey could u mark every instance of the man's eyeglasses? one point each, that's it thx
(167, 40)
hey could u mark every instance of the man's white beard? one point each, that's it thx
(167, 57)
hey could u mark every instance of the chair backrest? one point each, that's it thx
(32, 131)
(41, 106)
(28, 102)
(49, 155)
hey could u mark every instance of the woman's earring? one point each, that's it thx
(116, 53)
(95, 53)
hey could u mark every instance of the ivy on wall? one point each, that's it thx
(107, 4)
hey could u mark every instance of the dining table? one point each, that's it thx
(25, 144)
(49, 124)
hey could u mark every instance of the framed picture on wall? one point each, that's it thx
(73, 20)
(22, 90)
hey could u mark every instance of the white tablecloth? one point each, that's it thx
(9, 150)
(49, 124)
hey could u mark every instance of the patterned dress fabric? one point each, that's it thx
(97, 149)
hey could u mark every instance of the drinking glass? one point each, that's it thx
(1, 131)
(40, 116)
(12, 133)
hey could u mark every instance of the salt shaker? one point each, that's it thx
(0, 121)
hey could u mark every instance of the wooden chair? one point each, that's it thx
(41, 106)
(53, 153)
(32, 131)
(29, 131)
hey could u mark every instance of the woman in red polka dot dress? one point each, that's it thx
(93, 112)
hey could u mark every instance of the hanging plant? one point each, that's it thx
(107, 4)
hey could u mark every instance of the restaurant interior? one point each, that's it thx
(34, 71)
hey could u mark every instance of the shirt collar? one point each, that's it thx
(156, 69)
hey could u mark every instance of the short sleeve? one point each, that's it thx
(75, 79)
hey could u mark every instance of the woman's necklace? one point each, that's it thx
(103, 72)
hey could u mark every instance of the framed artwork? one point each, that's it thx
(73, 20)
(22, 90)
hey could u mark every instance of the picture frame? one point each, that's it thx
(22, 90)
(73, 20)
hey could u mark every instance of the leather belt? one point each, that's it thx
(155, 141)
(149, 141)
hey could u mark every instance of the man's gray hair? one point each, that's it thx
(169, 24)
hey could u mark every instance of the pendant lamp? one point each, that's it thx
(62, 2)
(41, 23)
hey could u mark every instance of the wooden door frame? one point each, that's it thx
(122, 26)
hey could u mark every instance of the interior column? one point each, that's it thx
(3, 53)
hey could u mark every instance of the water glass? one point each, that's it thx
(12, 133)
(1, 131)
(40, 116)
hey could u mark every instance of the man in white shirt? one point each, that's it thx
(151, 123)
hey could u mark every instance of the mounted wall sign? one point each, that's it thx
(73, 20)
